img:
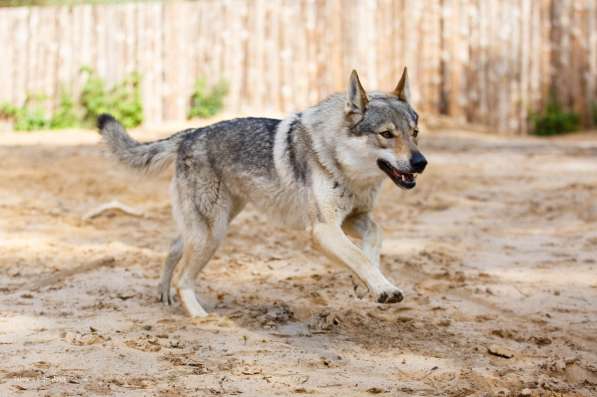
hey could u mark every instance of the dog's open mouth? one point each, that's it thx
(402, 179)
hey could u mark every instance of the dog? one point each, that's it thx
(319, 170)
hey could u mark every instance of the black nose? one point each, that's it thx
(418, 162)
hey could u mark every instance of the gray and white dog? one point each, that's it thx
(320, 170)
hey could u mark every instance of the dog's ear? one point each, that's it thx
(402, 90)
(356, 98)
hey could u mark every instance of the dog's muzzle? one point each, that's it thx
(402, 179)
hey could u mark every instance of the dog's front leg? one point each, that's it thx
(334, 243)
(363, 227)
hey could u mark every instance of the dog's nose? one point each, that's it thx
(418, 162)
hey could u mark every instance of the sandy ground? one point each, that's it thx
(496, 249)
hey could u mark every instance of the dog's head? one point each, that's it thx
(386, 127)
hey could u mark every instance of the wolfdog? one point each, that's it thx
(319, 170)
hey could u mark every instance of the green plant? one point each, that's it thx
(206, 103)
(65, 115)
(7, 110)
(554, 120)
(594, 113)
(123, 100)
(94, 99)
(30, 116)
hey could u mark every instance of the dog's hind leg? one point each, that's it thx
(202, 237)
(198, 250)
(176, 249)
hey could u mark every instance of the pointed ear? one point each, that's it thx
(402, 90)
(356, 98)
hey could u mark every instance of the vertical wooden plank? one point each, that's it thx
(6, 54)
(51, 83)
(310, 86)
(525, 27)
(287, 54)
(484, 62)
(565, 62)
(186, 79)
(150, 57)
(592, 55)
(86, 50)
(299, 64)
(547, 49)
(31, 82)
(431, 68)
(112, 44)
(273, 51)
(171, 59)
(118, 33)
(472, 66)
(235, 40)
(579, 60)
(157, 50)
(7, 58)
(22, 62)
(398, 30)
(129, 38)
(142, 57)
(535, 57)
(68, 62)
(459, 96)
(556, 39)
(337, 75)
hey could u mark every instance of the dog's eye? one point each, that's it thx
(387, 134)
(415, 132)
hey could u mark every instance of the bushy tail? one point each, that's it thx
(149, 157)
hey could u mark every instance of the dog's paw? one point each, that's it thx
(166, 296)
(391, 296)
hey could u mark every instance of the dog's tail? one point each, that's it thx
(149, 157)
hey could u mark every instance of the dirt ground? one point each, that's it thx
(496, 249)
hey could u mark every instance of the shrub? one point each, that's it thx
(206, 103)
(30, 116)
(123, 100)
(7, 110)
(554, 120)
(66, 114)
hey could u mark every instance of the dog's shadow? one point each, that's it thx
(310, 310)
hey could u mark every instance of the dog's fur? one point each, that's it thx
(320, 170)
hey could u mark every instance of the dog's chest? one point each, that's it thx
(349, 200)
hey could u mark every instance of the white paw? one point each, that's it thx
(190, 304)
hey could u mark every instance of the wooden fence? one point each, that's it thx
(484, 61)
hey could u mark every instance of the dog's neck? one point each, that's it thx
(325, 122)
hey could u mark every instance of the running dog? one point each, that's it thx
(319, 170)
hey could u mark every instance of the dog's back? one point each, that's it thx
(240, 158)
(243, 143)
